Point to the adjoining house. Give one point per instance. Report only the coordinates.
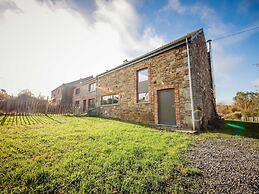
(84, 95)
(64, 93)
(171, 86)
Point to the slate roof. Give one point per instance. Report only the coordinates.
(76, 81)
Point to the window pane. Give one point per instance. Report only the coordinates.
(143, 87)
(142, 97)
(78, 91)
(143, 94)
(106, 100)
(111, 99)
(92, 87)
(143, 75)
(115, 99)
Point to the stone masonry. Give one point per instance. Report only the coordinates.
(167, 70)
(182, 67)
(202, 83)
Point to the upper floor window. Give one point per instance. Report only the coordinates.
(110, 99)
(142, 88)
(77, 91)
(92, 87)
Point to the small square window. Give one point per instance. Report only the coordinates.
(92, 87)
(77, 91)
(110, 99)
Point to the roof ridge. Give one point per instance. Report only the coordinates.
(78, 80)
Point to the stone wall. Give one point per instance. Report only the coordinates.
(166, 70)
(202, 85)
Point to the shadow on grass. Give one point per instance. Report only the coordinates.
(49, 117)
(245, 129)
(112, 119)
(2, 121)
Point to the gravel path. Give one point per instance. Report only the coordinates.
(228, 165)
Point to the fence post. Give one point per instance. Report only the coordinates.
(47, 106)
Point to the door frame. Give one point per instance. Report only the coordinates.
(84, 105)
(172, 91)
(177, 103)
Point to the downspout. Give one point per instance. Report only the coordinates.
(212, 70)
(96, 95)
(190, 83)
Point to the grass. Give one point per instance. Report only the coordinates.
(91, 155)
(64, 154)
(246, 129)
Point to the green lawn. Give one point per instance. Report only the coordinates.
(92, 155)
(65, 154)
(246, 129)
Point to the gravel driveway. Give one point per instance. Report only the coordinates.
(228, 165)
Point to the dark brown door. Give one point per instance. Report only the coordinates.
(84, 105)
(166, 107)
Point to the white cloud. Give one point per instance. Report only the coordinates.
(255, 83)
(176, 6)
(6, 5)
(50, 43)
(224, 61)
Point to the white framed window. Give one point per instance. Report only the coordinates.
(92, 87)
(110, 99)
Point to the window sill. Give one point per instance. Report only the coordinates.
(105, 105)
(143, 102)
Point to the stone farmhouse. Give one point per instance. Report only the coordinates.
(171, 86)
(84, 95)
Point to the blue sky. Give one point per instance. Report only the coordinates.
(65, 39)
(237, 71)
